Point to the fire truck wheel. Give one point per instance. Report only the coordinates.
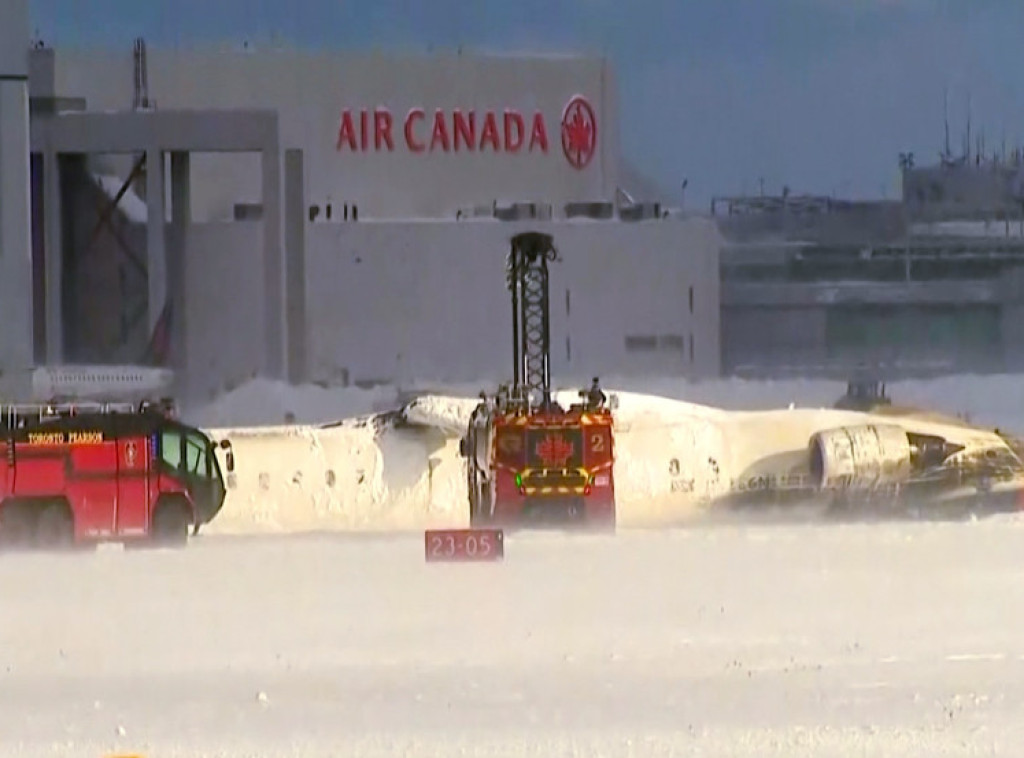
(171, 522)
(55, 527)
(17, 522)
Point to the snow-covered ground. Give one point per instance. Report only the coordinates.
(883, 640)
(717, 639)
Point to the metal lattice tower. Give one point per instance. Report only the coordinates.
(527, 277)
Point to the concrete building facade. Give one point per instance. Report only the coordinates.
(418, 300)
(396, 136)
(344, 218)
(15, 239)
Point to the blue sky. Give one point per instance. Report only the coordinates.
(821, 95)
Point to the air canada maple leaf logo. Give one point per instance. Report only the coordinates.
(579, 132)
(554, 450)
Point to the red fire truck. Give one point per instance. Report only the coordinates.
(86, 473)
(549, 466)
(529, 460)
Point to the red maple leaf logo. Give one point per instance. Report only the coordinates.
(579, 132)
(554, 450)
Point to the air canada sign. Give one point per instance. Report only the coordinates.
(453, 131)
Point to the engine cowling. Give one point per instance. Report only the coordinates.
(860, 457)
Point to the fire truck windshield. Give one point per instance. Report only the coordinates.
(188, 452)
(197, 460)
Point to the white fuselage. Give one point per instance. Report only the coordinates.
(674, 460)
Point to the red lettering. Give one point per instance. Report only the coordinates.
(440, 133)
(465, 130)
(513, 119)
(382, 129)
(416, 147)
(346, 132)
(459, 133)
(539, 134)
(490, 132)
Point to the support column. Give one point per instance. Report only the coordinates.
(275, 358)
(295, 264)
(177, 266)
(156, 254)
(53, 251)
(16, 356)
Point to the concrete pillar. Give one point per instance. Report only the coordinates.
(53, 256)
(295, 264)
(275, 357)
(15, 220)
(156, 256)
(177, 267)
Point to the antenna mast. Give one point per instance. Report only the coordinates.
(945, 119)
(140, 95)
(968, 151)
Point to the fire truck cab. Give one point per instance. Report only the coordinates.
(87, 473)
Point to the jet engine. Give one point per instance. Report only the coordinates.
(874, 455)
(860, 457)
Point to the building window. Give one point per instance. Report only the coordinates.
(691, 299)
(691, 347)
(637, 344)
(656, 343)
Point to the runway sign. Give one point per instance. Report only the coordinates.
(463, 545)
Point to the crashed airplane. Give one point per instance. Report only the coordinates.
(674, 461)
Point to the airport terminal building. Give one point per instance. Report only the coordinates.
(344, 217)
(930, 284)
